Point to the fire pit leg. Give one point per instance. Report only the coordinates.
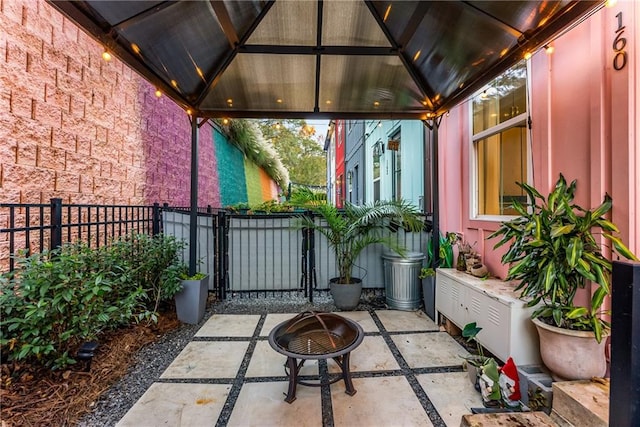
(343, 362)
(293, 379)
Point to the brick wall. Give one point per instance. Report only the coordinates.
(88, 131)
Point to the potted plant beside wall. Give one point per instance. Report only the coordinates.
(191, 301)
(553, 252)
(352, 230)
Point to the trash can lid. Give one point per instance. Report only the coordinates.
(411, 256)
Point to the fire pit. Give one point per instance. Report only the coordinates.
(316, 335)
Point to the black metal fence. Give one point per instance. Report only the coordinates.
(36, 227)
(245, 255)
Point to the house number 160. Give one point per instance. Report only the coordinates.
(619, 43)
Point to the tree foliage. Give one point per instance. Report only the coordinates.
(297, 145)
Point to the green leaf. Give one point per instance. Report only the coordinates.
(597, 299)
(597, 328)
(574, 251)
(607, 225)
(603, 208)
(561, 230)
(470, 330)
(549, 276)
(621, 248)
(576, 313)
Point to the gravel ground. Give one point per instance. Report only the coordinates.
(153, 359)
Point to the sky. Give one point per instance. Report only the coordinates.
(321, 127)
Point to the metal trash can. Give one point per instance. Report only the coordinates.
(401, 282)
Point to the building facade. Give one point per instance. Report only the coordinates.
(572, 109)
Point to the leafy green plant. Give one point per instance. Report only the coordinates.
(445, 253)
(553, 251)
(154, 265)
(350, 231)
(56, 299)
(470, 332)
(426, 272)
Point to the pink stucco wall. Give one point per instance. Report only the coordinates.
(584, 125)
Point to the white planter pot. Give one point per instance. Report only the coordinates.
(191, 301)
(571, 355)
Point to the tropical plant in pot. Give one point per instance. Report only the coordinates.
(553, 252)
(353, 229)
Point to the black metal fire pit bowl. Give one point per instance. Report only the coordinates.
(316, 335)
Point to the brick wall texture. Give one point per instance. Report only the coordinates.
(89, 131)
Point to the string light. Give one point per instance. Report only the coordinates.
(549, 49)
(106, 55)
(225, 121)
(158, 93)
(527, 55)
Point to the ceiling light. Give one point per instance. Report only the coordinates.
(225, 121)
(527, 55)
(174, 83)
(416, 56)
(199, 71)
(189, 111)
(424, 103)
(328, 102)
(611, 3)
(376, 103)
(379, 124)
(158, 93)
(504, 51)
(279, 101)
(437, 97)
(106, 55)
(229, 101)
(135, 48)
(549, 49)
(484, 95)
(386, 13)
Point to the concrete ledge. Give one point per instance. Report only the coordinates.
(508, 419)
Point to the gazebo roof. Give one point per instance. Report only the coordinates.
(322, 59)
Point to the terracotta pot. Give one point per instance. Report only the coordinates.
(571, 355)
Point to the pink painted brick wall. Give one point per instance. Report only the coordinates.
(88, 131)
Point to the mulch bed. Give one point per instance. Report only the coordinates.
(33, 396)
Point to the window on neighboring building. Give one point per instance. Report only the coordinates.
(396, 165)
(501, 156)
(377, 153)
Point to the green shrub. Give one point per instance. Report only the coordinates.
(154, 265)
(57, 299)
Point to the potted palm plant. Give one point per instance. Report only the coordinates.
(351, 230)
(553, 252)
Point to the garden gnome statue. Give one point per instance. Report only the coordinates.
(489, 383)
(510, 385)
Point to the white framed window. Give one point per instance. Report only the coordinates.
(500, 146)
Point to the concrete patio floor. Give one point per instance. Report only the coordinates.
(406, 372)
